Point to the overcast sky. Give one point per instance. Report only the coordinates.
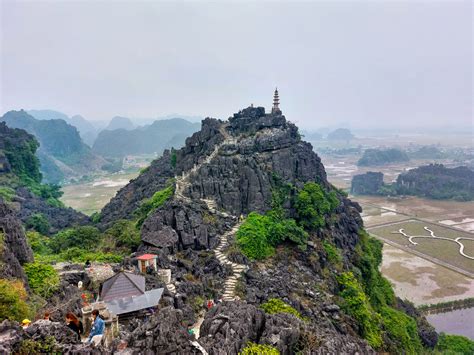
(360, 63)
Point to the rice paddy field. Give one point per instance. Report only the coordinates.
(445, 250)
(91, 196)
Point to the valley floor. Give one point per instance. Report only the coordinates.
(90, 197)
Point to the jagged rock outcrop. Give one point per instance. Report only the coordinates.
(229, 326)
(247, 154)
(162, 334)
(14, 339)
(225, 171)
(14, 251)
(28, 204)
(369, 183)
(179, 225)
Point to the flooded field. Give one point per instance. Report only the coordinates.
(90, 197)
(459, 321)
(422, 281)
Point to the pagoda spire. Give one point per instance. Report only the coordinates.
(276, 102)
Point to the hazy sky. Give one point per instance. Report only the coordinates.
(366, 63)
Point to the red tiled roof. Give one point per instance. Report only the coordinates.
(147, 257)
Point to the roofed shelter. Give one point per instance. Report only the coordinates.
(123, 284)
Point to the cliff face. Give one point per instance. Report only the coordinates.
(14, 250)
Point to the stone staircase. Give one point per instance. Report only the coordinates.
(183, 182)
(237, 269)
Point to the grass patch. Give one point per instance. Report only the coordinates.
(275, 305)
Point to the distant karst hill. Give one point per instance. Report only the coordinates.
(342, 134)
(119, 122)
(154, 138)
(374, 157)
(21, 184)
(62, 153)
(432, 181)
(86, 129)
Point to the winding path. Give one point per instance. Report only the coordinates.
(182, 182)
(433, 236)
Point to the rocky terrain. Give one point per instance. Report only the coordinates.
(227, 170)
(14, 250)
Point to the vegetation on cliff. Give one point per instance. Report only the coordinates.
(13, 300)
(21, 167)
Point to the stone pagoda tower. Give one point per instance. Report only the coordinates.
(276, 102)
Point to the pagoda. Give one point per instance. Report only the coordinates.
(276, 102)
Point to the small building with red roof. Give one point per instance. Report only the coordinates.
(146, 260)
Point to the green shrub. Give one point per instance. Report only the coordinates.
(42, 278)
(401, 329)
(252, 237)
(174, 158)
(95, 217)
(84, 237)
(259, 349)
(369, 257)
(47, 346)
(38, 242)
(7, 193)
(156, 201)
(13, 298)
(39, 223)
(275, 305)
(454, 345)
(258, 236)
(125, 234)
(312, 204)
(358, 306)
(76, 254)
(333, 254)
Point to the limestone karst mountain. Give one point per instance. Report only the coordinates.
(85, 128)
(21, 183)
(198, 198)
(62, 152)
(149, 139)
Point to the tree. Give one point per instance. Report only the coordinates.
(313, 203)
(13, 297)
